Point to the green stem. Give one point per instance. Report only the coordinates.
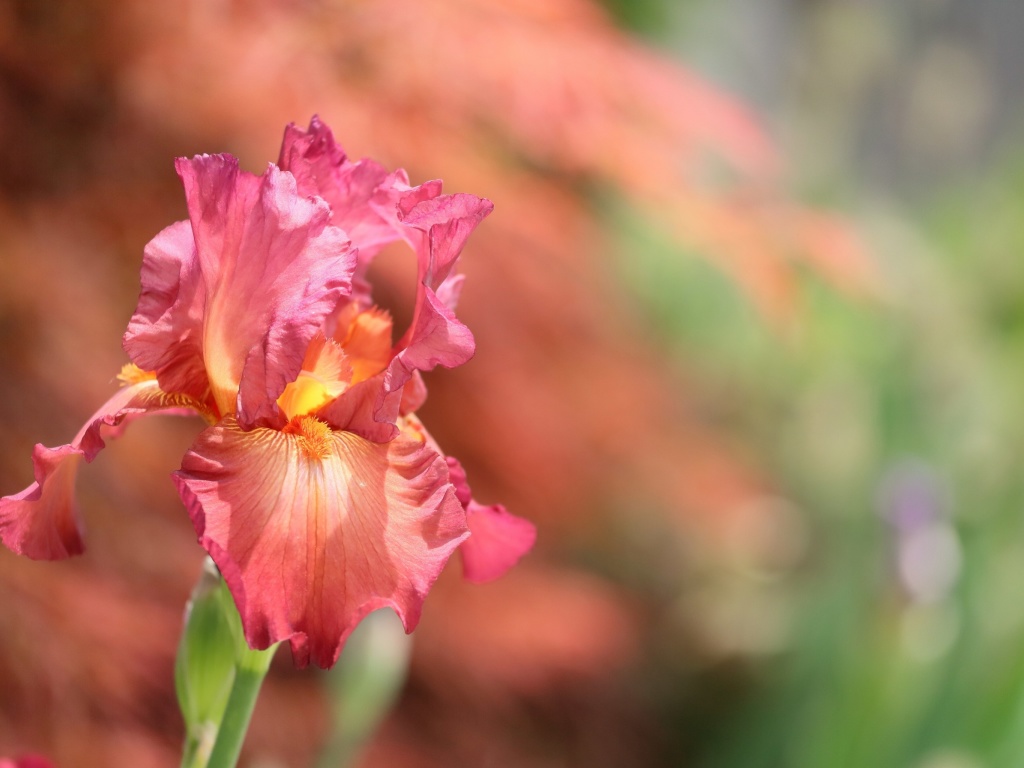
(217, 675)
(238, 712)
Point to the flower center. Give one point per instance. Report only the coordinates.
(312, 436)
(366, 339)
(360, 348)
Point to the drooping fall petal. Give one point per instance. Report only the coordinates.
(498, 539)
(313, 528)
(42, 521)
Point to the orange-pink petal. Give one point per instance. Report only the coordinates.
(363, 196)
(231, 299)
(42, 522)
(437, 226)
(313, 528)
(165, 334)
(498, 539)
(326, 373)
(273, 268)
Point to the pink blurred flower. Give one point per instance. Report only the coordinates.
(315, 489)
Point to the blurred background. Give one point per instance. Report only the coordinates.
(750, 355)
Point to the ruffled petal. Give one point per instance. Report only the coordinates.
(272, 270)
(414, 394)
(439, 227)
(497, 542)
(367, 410)
(376, 208)
(165, 334)
(313, 528)
(363, 196)
(445, 223)
(498, 539)
(42, 522)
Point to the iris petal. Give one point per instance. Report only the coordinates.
(314, 528)
(498, 539)
(375, 208)
(231, 299)
(42, 522)
(165, 333)
(273, 269)
(362, 194)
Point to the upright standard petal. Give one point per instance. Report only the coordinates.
(376, 208)
(165, 335)
(272, 269)
(42, 522)
(363, 196)
(313, 528)
(437, 227)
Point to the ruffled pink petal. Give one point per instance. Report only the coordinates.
(457, 476)
(314, 529)
(363, 196)
(165, 335)
(498, 539)
(450, 289)
(376, 208)
(272, 269)
(371, 411)
(446, 222)
(436, 337)
(366, 410)
(42, 522)
(414, 394)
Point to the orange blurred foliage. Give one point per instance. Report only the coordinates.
(568, 414)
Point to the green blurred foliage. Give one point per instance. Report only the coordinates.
(647, 17)
(903, 639)
(922, 383)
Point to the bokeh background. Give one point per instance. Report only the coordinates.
(751, 355)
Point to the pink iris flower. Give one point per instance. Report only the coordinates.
(315, 489)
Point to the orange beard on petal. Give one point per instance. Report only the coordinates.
(313, 436)
(131, 374)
